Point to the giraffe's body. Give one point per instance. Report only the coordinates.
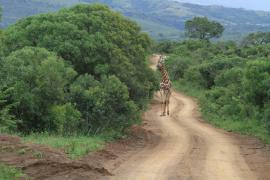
(164, 87)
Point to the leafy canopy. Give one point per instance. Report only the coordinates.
(94, 39)
(202, 28)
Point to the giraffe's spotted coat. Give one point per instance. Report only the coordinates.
(164, 86)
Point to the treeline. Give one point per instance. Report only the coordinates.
(81, 70)
(231, 80)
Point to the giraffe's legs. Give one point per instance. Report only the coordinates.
(164, 108)
(161, 97)
(165, 102)
(163, 105)
(168, 102)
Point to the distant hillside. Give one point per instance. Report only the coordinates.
(163, 19)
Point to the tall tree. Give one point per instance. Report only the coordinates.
(202, 28)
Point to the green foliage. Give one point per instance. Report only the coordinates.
(82, 35)
(75, 146)
(79, 71)
(165, 46)
(7, 120)
(231, 82)
(257, 82)
(103, 104)
(202, 28)
(66, 119)
(38, 79)
(266, 116)
(177, 66)
(7, 172)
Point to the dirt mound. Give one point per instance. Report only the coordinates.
(41, 162)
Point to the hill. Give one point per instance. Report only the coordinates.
(163, 19)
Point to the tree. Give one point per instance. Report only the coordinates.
(202, 28)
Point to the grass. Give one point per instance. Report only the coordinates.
(75, 147)
(246, 127)
(7, 172)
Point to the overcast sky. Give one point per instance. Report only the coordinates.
(247, 4)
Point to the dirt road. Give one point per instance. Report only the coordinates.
(178, 147)
(188, 148)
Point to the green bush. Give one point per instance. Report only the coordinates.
(39, 80)
(103, 104)
(65, 119)
(257, 82)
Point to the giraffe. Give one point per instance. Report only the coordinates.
(164, 86)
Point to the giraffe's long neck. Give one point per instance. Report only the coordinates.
(165, 76)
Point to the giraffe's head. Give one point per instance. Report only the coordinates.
(161, 61)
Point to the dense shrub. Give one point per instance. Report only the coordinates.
(103, 104)
(81, 70)
(39, 80)
(257, 82)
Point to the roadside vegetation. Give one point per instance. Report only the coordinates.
(74, 79)
(231, 81)
(74, 146)
(7, 172)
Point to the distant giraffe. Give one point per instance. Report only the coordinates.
(164, 87)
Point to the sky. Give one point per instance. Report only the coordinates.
(263, 5)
